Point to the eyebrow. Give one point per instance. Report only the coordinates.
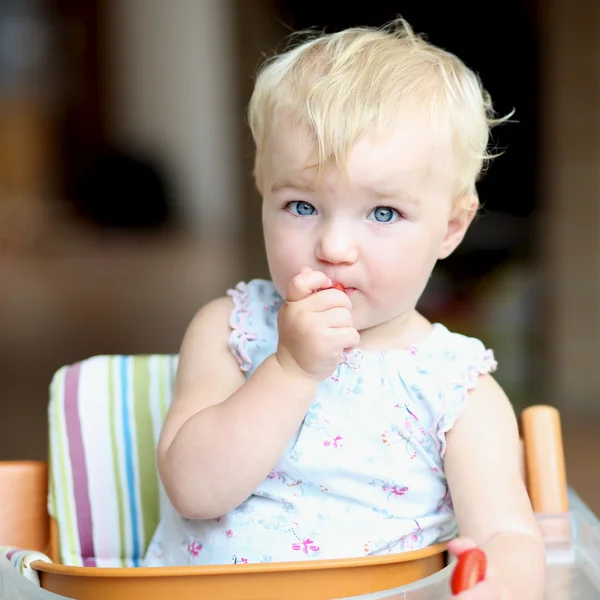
(373, 192)
(278, 186)
(390, 194)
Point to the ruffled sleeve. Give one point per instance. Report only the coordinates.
(253, 323)
(239, 322)
(462, 366)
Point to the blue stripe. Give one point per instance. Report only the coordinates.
(129, 458)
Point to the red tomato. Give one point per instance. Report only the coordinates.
(339, 286)
(470, 569)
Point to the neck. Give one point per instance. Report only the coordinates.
(401, 332)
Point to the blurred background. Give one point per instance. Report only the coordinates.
(126, 197)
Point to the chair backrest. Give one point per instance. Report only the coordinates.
(105, 416)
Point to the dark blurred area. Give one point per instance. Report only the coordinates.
(126, 197)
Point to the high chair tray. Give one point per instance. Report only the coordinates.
(573, 566)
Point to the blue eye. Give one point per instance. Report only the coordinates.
(384, 214)
(301, 209)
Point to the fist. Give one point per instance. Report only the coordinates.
(314, 328)
(471, 578)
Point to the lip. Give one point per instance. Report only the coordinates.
(348, 290)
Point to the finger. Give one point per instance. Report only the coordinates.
(328, 299)
(305, 283)
(337, 317)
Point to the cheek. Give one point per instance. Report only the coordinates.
(285, 254)
(402, 266)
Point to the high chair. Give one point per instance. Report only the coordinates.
(87, 516)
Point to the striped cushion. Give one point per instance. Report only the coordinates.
(105, 416)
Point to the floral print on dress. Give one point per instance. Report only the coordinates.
(305, 544)
(413, 540)
(331, 440)
(390, 487)
(363, 474)
(192, 547)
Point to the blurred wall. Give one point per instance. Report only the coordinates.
(258, 31)
(173, 87)
(570, 217)
(82, 290)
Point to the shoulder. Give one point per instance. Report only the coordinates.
(489, 406)
(211, 318)
(487, 418)
(207, 335)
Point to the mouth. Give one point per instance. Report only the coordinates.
(341, 288)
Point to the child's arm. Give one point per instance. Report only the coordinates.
(489, 496)
(223, 434)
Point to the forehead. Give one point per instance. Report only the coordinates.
(408, 153)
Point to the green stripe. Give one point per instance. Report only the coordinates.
(61, 441)
(146, 463)
(115, 455)
(51, 461)
(172, 373)
(173, 370)
(162, 366)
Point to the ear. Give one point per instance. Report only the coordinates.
(461, 217)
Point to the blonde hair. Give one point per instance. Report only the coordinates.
(339, 86)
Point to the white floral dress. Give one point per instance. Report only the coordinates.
(364, 473)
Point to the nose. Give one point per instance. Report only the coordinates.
(337, 244)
